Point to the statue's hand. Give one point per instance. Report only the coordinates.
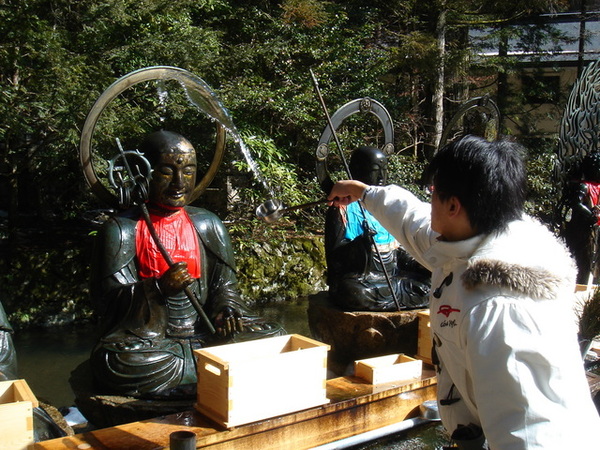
(175, 279)
(596, 213)
(228, 322)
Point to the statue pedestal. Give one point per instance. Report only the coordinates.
(355, 335)
(104, 411)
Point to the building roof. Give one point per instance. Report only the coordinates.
(560, 44)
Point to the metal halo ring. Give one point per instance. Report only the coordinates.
(115, 89)
(484, 104)
(360, 105)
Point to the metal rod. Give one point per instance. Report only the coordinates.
(373, 434)
(333, 133)
(362, 209)
(304, 205)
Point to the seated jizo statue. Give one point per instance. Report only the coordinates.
(8, 358)
(150, 326)
(582, 196)
(356, 270)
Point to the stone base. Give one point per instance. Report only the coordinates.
(110, 410)
(355, 335)
(49, 423)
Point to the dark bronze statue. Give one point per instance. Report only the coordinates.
(8, 357)
(355, 270)
(577, 172)
(580, 230)
(149, 308)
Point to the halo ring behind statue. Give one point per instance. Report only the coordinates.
(483, 105)
(198, 93)
(360, 105)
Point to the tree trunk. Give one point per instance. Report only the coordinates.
(581, 52)
(438, 94)
(502, 78)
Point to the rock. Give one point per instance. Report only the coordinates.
(355, 335)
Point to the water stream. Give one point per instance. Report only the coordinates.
(201, 96)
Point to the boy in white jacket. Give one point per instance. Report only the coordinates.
(502, 320)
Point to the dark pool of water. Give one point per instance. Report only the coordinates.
(46, 358)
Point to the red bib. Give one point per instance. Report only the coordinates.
(177, 235)
(594, 193)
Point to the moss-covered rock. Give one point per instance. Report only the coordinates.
(281, 268)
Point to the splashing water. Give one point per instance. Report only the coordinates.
(163, 96)
(206, 101)
(253, 165)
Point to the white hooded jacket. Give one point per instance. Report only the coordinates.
(504, 328)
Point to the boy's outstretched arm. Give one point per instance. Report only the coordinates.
(345, 192)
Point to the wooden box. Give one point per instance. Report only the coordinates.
(424, 337)
(16, 415)
(255, 380)
(388, 368)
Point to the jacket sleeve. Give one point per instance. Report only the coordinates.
(406, 217)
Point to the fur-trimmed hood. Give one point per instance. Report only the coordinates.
(526, 258)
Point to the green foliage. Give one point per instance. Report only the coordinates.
(281, 178)
(293, 267)
(42, 285)
(407, 171)
(58, 56)
(309, 13)
(541, 198)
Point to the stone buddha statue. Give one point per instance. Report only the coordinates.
(355, 270)
(150, 325)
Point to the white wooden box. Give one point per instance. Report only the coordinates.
(388, 368)
(255, 380)
(424, 341)
(16, 415)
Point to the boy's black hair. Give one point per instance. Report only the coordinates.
(488, 178)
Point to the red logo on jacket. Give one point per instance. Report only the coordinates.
(447, 310)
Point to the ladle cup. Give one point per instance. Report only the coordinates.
(273, 210)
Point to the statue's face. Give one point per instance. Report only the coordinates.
(173, 179)
(369, 165)
(372, 172)
(375, 174)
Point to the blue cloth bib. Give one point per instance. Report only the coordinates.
(354, 226)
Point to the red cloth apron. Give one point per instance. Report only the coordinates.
(594, 193)
(177, 234)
